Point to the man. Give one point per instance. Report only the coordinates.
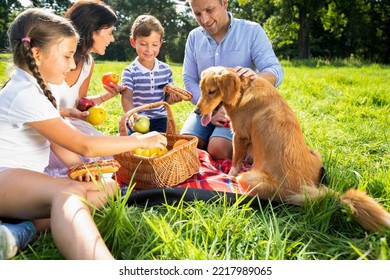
(222, 40)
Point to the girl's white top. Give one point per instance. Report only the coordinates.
(22, 101)
(65, 95)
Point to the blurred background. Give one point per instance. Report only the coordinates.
(298, 29)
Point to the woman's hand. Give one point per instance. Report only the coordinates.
(73, 113)
(114, 89)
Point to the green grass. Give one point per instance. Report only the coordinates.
(343, 107)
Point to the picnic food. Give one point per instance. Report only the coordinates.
(179, 142)
(109, 78)
(101, 166)
(153, 152)
(142, 124)
(164, 171)
(163, 151)
(84, 103)
(182, 93)
(96, 116)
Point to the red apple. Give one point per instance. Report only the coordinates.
(83, 104)
(109, 78)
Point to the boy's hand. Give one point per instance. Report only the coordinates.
(172, 98)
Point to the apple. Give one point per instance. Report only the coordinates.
(109, 78)
(138, 151)
(142, 124)
(179, 143)
(83, 104)
(153, 152)
(97, 115)
(163, 151)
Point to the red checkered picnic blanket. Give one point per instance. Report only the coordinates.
(212, 175)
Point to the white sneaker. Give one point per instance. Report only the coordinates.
(8, 247)
(14, 237)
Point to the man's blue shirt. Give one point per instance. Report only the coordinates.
(245, 44)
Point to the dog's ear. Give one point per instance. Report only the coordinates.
(229, 84)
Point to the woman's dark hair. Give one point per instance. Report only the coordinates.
(89, 17)
(37, 28)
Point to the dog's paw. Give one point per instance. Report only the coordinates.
(233, 172)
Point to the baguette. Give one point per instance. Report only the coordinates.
(100, 166)
(182, 93)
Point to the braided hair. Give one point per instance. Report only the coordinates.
(37, 28)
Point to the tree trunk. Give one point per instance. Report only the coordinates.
(304, 34)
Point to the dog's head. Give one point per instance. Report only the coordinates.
(217, 84)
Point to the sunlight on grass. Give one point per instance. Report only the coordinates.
(343, 107)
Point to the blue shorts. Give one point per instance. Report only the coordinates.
(193, 126)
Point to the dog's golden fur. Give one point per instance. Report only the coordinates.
(284, 168)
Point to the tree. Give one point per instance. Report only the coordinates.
(8, 11)
(175, 25)
(57, 6)
(296, 28)
(329, 28)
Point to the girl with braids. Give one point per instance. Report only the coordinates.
(43, 46)
(96, 34)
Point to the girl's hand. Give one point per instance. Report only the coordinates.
(89, 177)
(151, 139)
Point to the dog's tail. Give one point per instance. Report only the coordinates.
(366, 210)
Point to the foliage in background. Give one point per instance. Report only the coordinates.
(326, 29)
(176, 28)
(8, 9)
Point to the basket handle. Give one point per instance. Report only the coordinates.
(171, 125)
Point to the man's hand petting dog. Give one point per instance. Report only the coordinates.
(245, 72)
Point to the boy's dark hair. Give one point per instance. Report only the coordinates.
(144, 25)
(89, 16)
(37, 28)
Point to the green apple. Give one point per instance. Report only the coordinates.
(142, 124)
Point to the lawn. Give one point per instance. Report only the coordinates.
(343, 107)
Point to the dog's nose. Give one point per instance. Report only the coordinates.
(197, 111)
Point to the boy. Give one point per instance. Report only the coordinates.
(146, 76)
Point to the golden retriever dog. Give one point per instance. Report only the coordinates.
(284, 168)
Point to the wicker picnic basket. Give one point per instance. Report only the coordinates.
(165, 171)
